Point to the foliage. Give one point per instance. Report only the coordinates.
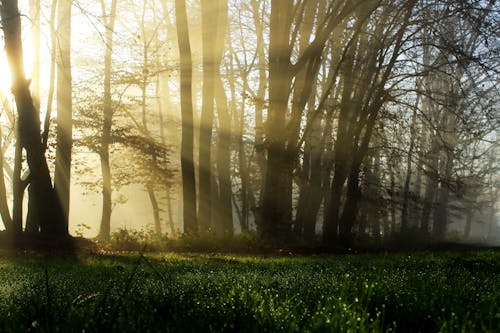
(124, 239)
(171, 293)
(147, 239)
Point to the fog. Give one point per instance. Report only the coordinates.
(331, 122)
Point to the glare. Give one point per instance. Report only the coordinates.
(5, 73)
(5, 77)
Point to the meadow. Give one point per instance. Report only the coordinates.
(418, 292)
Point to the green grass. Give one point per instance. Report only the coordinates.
(164, 292)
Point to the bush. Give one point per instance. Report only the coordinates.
(125, 239)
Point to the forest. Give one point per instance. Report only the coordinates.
(332, 123)
(250, 166)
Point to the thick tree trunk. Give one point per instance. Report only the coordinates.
(276, 203)
(187, 163)
(62, 175)
(209, 24)
(35, 38)
(29, 125)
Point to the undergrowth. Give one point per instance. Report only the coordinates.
(136, 240)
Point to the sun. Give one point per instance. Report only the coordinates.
(5, 77)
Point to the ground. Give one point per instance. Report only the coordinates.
(103, 292)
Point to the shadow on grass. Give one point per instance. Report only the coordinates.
(37, 242)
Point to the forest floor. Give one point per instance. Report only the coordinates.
(134, 292)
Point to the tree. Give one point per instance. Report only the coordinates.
(368, 67)
(209, 21)
(223, 203)
(187, 163)
(42, 198)
(105, 227)
(280, 134)
(62, 175)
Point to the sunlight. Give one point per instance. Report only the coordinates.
(6, 80)
(5, 73)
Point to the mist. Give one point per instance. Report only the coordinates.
(332, 123)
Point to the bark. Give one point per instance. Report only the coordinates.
(52, 75)
(145, 127)
(468, 222)
(350, 209)
(341, 158)
(430, 192)
(261, 89)
(62, 175)
(18, 187)
(223, 203)
(318, 144)
(312, 193)
(374, 217)
(276, 206)
(155, 207)
(223, 156)
(35, 38)
(246, 187)
(209, 24)
(170, 219)
(187, 163)
(4, 207)
(105, 226)
(358, 114)
(406, 188)
(43, 198)
(441, 212)
(392, 178)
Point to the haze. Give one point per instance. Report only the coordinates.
(336, 122)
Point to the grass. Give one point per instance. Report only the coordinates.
(445, 292)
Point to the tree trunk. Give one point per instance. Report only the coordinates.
(430, 187)
(441, 212)
(261, 90)
(35, 38)
(105, 226)
(350, 209)
(4, 207)
(29, 125)
(18, 187)
(209, 22)
(406, 188)
(223, 152)
(223, 157)
(62, 175)
(156, 209)
(187, 163)
(276, 205)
